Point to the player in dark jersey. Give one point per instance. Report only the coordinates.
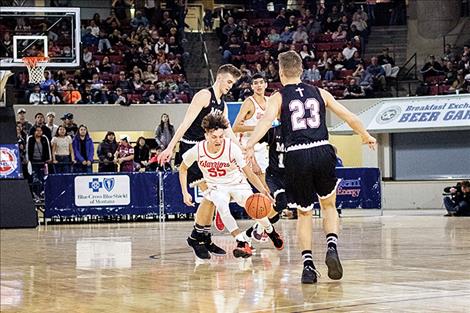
(189, 133)
(310, 159)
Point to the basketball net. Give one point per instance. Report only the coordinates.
(36, 67)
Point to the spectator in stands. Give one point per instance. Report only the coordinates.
(167, 22)
(448, 54)
(339, 34)
(106, 151)
(273, 36)
(457, 203)
(137, 85)
(151, 95)
(119, 97)
(69, 125)
(229, 28)
(450, 72)
(377, 73)
(37, 96)
(95, 29)
(83, 150)
(6, 45)
(349, 50)
(88, 40)
(21, 118)
(300, 35)
(72, 95)
(232, 48)
(466, 85)
(208, 20)
(21, 141)
(257, 37)
(48, 80)
(105, 66)
(286, 35)
(311, 74)
(124, 155)
(388, 64)
(40, 123)
(149, 74)
(323, 61)
(355, 36)
(329, 71)
(139, 20)
(464, 64)
(281, 20)
(123, 83)
(62, 151)
(313, 26)
(141, 154)
(97, 91)
(329, 26)
(164, 132)
(38, 152)
(344, 23)
(431, 68)
(161, 45)
(359, 22)
(458, 84)
(307, 54)
(104, 45)
(174, 47)
(466, 51)
(52, 96)
(176, 67)
(50, 116)
(272, 74)
(354, 91)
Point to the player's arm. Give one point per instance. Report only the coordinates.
(188, 159)
(200, 100)
(255, 181)
(273, 107)
(350, 118)
(246, 111)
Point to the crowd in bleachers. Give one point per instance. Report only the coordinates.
(50, 148)
(447, 74)
(330, 39)
(124, 60)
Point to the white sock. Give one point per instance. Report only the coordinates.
(242, 237)
(266, 224)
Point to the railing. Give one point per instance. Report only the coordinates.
(403, 76)
(205, 51)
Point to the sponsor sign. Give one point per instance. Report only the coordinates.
(423, 113)
(102, 190)
(10, 163)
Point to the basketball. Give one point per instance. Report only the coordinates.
(258, 206)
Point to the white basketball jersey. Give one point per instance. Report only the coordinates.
(253, 120)
(224, 167)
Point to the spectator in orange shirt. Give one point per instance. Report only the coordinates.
(72, 95)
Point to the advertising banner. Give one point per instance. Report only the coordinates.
(10, 163)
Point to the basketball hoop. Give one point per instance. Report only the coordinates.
(36, 67)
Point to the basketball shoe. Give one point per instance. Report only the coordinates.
(276, 239)
(309, 275)
(212, 247)
(199, 248)
(259, 234)
(335, 270)
(242, 250)
(219, 225)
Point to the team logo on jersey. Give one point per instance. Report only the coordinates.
(388, 115)
(8, 161)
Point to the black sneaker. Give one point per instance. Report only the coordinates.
(212, 247)
(199, 248)
(309, 275)
(335, 270)
(243, 250)
(276, 239)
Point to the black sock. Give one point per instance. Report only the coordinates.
(332, 240)
(307, 258)
(249, 231)
(198, 232)
(274, 219)
(207, 230)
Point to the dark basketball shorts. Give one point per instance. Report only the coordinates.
(310, 171)
(194, 173)
(276, 184)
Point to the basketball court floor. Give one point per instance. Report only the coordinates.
(401, 262)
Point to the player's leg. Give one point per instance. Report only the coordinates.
(326, 184)
(300, 190)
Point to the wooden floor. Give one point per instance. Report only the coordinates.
(395, 263)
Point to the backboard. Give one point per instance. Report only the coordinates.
(40, 31)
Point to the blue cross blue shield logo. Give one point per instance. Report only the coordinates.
(95, 185)
(108, 184)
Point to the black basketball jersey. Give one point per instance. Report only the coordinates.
(195, 132)
(303, 115)
(276, 151)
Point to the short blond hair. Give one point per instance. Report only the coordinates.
(290, 63)
(231, 69)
